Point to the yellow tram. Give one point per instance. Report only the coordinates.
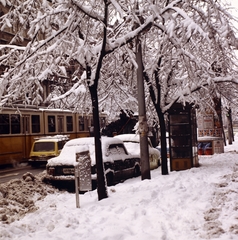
(20, 126)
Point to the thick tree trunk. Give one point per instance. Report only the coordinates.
(101, 181)
(143, 128)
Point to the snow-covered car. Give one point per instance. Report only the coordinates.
(132, 144)
(118, 164)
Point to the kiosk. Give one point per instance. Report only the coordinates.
(210, 140)
(182, 137)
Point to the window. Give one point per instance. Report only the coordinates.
(116, 149)
(4, 124)
(69, 122)
(112, 150)
(15, 123)
(25, 124)
(81, 124)
(121, 149)
(44, 147)
(35, 123)
(61, 144)
(51, 123)
(60, 120)
(102, 122)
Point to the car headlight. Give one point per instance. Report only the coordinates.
(51, 171)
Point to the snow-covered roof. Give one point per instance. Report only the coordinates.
(54, 110)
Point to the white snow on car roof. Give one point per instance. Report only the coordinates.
(55, 138)
(48, 140)
(68, 153)
(90, 140)
(128, 137)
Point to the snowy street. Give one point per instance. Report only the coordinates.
(199, 203)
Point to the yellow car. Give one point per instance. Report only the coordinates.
(45, 148)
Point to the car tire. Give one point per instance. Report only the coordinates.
(34, 164)
(110, 179)
(137, 171)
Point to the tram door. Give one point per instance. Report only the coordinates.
(26, 141)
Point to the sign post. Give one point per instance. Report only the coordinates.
(76, 173)
(82, 170)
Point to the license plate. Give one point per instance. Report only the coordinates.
(68, 171)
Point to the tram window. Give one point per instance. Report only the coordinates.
(91, 121)
(15, 123)
(4, 124)
(51, 123)
(25, 124)
(69, 122)
(81, 124)
(60, 124)
(35, 123)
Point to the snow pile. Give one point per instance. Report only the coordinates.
(18, 197)
(199, 203)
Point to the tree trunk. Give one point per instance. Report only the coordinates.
(232, 132)
(164, 167)
(143, 128)
(163, 143)
(229, 127)
(217, 103)
(101, 182)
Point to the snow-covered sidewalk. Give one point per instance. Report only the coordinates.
(199, 203)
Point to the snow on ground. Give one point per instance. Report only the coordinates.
(199, 203)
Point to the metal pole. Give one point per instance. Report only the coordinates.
(143, 127)
(76, 176)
